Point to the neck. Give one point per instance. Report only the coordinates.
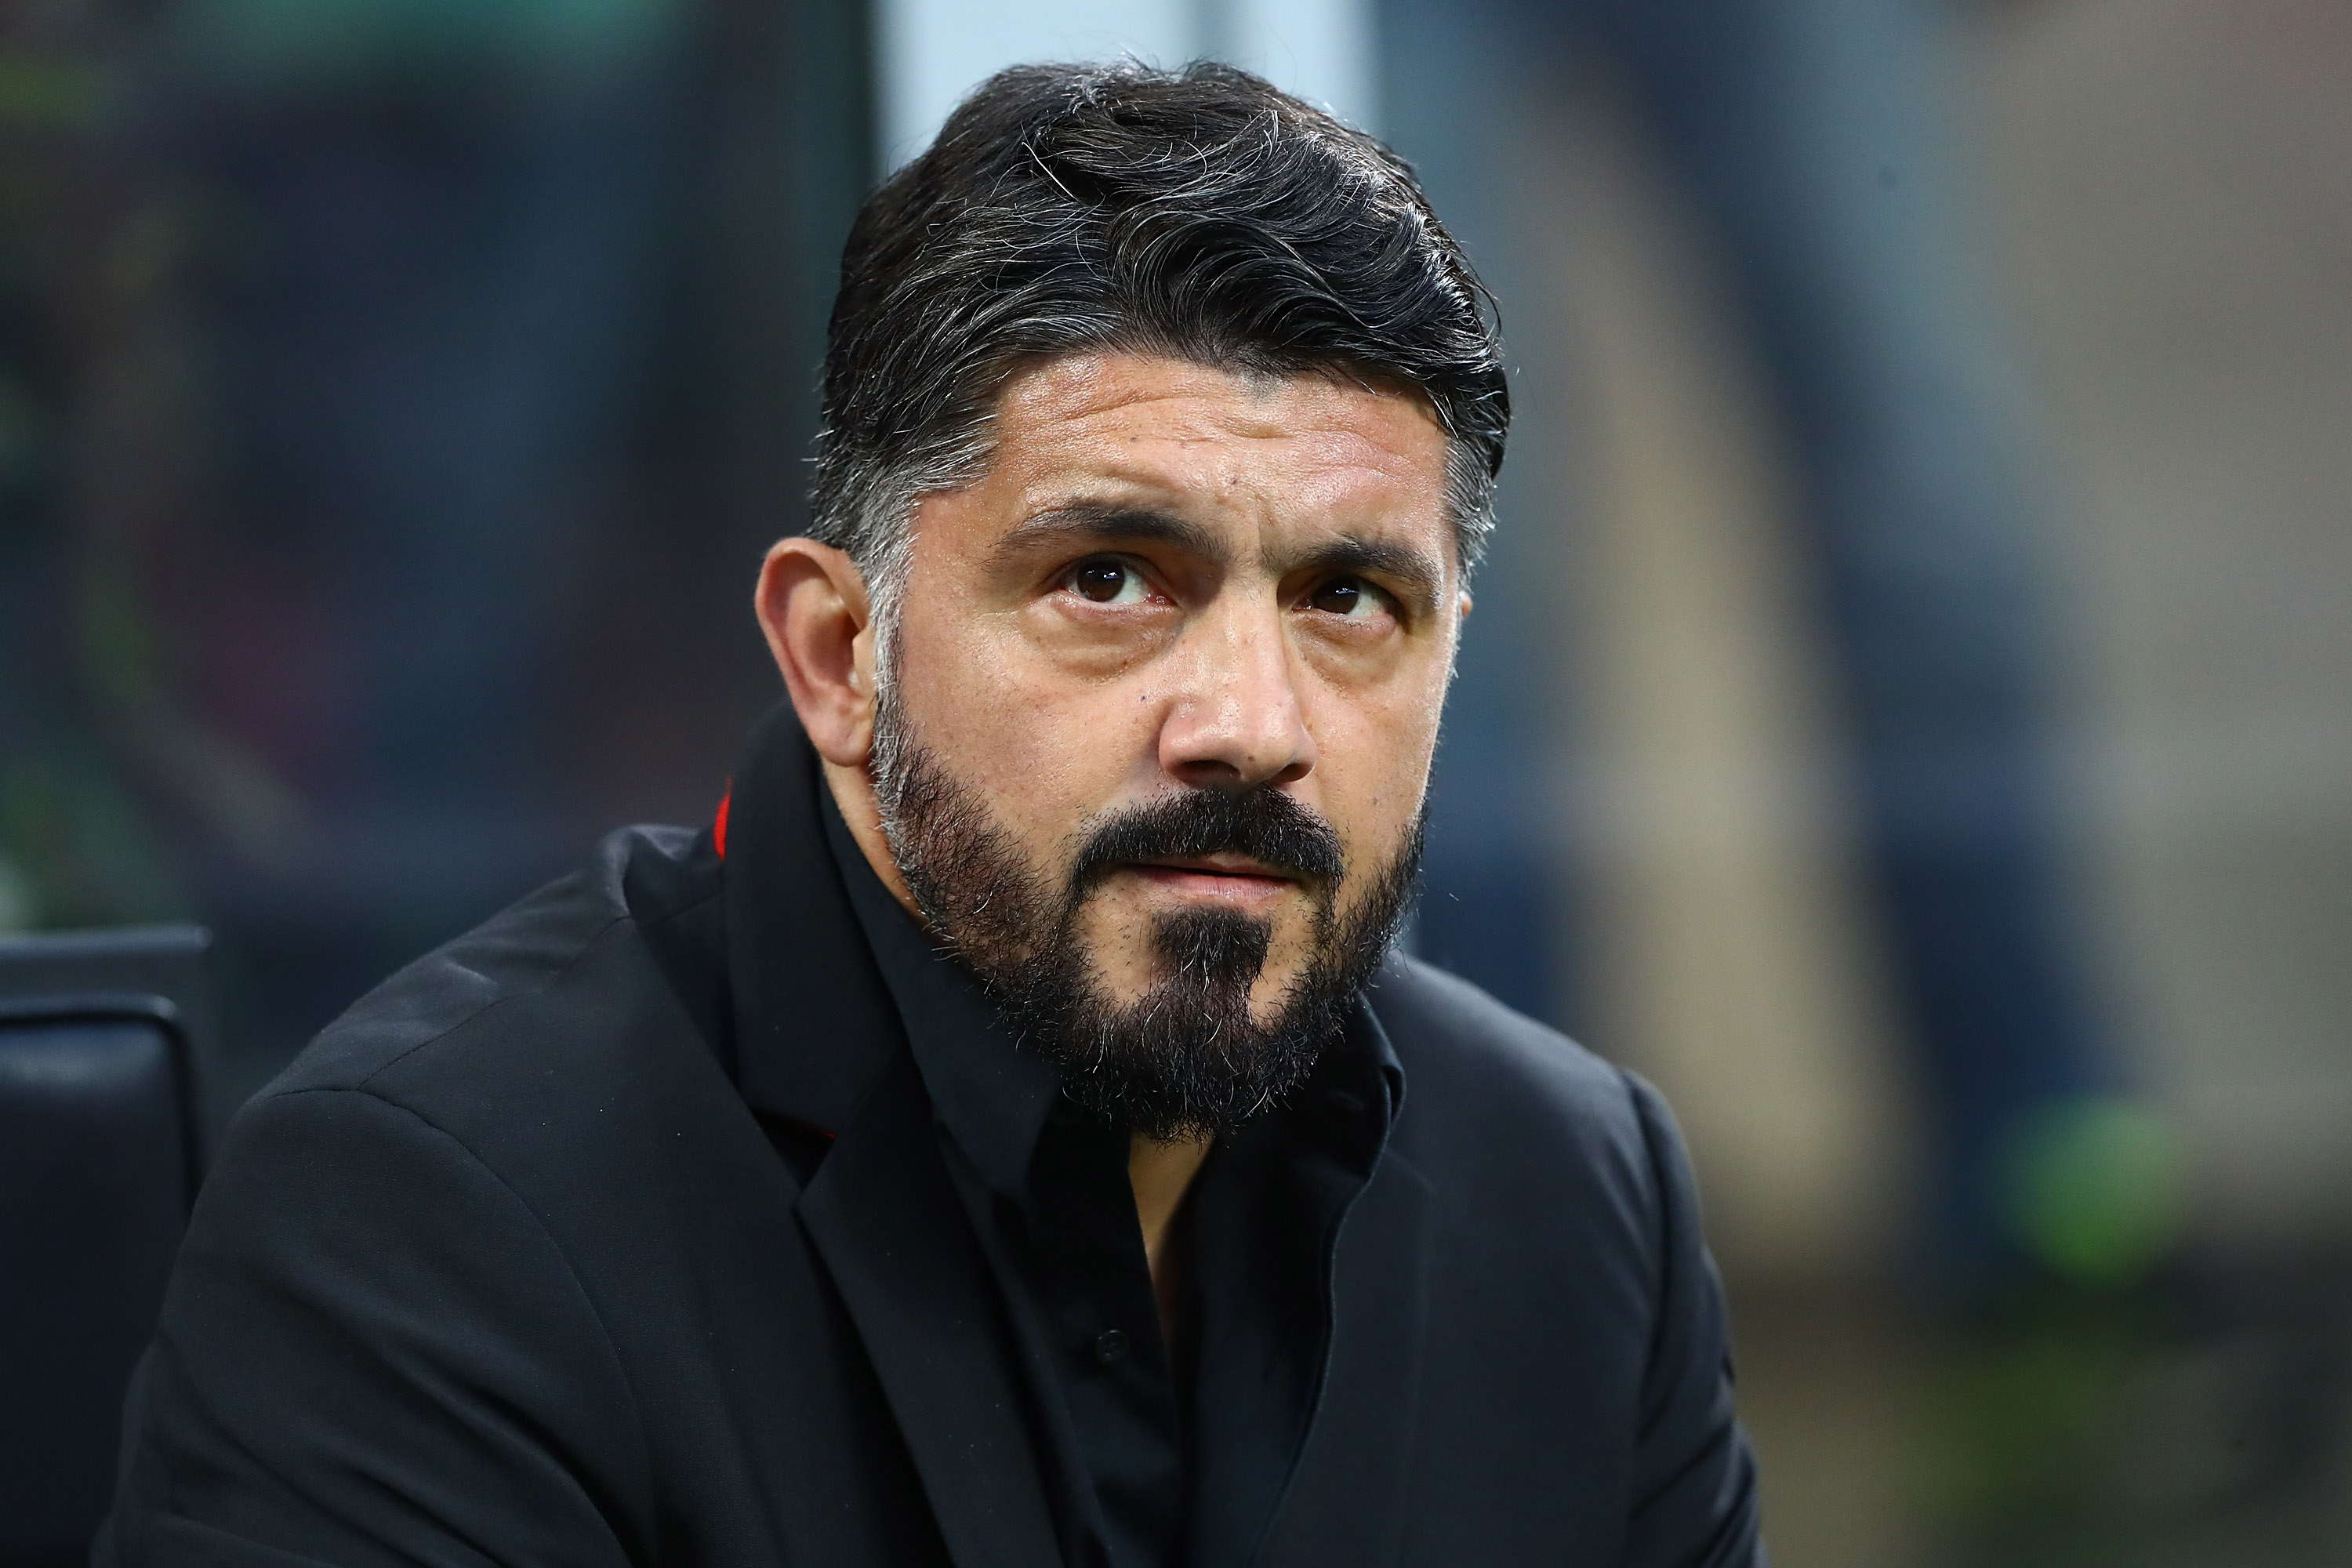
(1162, 1174)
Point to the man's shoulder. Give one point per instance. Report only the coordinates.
(1448, 1031)
(511, 989)
(1485, 1083)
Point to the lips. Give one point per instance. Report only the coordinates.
(1233, 867)
(1213, 882)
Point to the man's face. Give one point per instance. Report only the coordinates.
(1182, 607)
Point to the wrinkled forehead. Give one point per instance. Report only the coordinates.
(1130, 397)
(1262, 458)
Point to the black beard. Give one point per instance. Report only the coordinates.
(1186, 1060)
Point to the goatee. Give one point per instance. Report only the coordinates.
(1188, 1058)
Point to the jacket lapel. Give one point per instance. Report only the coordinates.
(818, 1043)
(1345, 1498)
(885, 1217)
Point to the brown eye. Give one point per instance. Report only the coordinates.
(1106, 582)
(1345, 597)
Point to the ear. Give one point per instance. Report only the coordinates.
(811, 604)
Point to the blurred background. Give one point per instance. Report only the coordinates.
(1906, 715)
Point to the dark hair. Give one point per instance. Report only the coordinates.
(1202, 214)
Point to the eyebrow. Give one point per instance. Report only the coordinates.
(1418, 576)
(1088, 522)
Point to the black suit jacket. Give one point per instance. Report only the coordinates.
(618, 1232)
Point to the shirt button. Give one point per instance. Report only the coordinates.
(1110, 1347)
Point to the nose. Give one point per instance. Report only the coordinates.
(1235, 720)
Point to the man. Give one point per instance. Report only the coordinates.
(1004, 1137)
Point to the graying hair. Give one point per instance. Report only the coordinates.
(1200, 214)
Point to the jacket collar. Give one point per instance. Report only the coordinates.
(818, 1041)
(814, 1025)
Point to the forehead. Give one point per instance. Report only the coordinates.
(1292, 447)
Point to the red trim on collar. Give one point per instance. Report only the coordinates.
(718, 824)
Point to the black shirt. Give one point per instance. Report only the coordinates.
(1157, 1455)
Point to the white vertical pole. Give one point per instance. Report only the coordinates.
(1320, 49)
(929, 53)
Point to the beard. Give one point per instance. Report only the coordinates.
(1188, 1058)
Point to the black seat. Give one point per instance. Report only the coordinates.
(99, 1163)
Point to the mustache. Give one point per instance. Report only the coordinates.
(1267, 825)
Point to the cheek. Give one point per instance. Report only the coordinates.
(1045, 751)
(1373, 759)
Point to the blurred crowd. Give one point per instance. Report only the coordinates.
(397, 395)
